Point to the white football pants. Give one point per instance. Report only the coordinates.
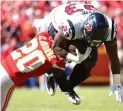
(7, 87)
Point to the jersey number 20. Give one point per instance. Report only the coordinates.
(28, 57)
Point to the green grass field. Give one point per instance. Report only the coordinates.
(92, 99)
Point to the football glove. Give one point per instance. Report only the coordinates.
(72, 57)
(117, 90)
(82, 57)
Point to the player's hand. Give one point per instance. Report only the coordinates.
(117, 90)
(79, 56)
(82, 57)
(72, 57)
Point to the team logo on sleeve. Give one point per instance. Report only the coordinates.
(66, 30)
(88, 27)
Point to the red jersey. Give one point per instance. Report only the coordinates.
(33, 59)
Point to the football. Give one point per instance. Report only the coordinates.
(79, 44)
(72, 49)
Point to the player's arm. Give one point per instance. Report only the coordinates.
(60, 50)
(115, 68)
(56, 46)
(113, 57)
(111, 48)
(112, 51)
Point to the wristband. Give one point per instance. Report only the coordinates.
(116, 78)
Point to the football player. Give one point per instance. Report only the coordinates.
(82, 21)
(31, 60)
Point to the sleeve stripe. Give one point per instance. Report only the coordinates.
(72, 28)
(112, 33)
(52, 30)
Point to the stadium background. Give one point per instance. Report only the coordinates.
(17, 29)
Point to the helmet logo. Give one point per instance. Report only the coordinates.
(89, 28)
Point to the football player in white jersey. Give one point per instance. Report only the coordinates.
(78, 21)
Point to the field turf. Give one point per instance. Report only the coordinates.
(92, 99)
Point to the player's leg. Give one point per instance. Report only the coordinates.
(7, 87)
(63, 84)
(79, 74)
(60, 78)
(82, 71)
(50, 83)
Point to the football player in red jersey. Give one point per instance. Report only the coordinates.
(33, 59)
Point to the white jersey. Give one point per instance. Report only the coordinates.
(7, 88)
(70, 18)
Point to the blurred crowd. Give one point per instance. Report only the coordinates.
(17, 18)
